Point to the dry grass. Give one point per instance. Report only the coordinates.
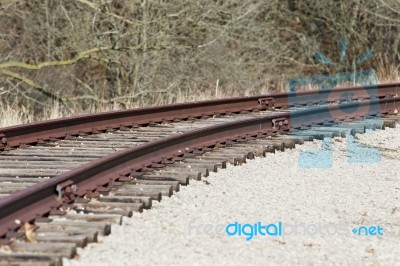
(11, 115)
(388, 73)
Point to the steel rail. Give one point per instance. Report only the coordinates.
(14, 136)
(38, 200)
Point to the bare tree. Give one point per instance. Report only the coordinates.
(115, 53)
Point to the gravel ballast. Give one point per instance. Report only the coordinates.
(324, 205)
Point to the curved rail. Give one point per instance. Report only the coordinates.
(40, 199)
(60, 128)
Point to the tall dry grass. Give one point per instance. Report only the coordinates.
(9, 115)
(388, 73)
(12, 115)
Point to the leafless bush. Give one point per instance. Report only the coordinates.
(90, 55)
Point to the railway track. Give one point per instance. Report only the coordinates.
(113, 164)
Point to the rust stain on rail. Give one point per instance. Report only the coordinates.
(60, 128)
(40, 199)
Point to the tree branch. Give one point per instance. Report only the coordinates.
(81, 56)
(96, 7)
(33, 85)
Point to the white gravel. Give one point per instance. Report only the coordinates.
(269, 190)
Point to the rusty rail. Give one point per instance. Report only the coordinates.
(60, 128)
(40, 199)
